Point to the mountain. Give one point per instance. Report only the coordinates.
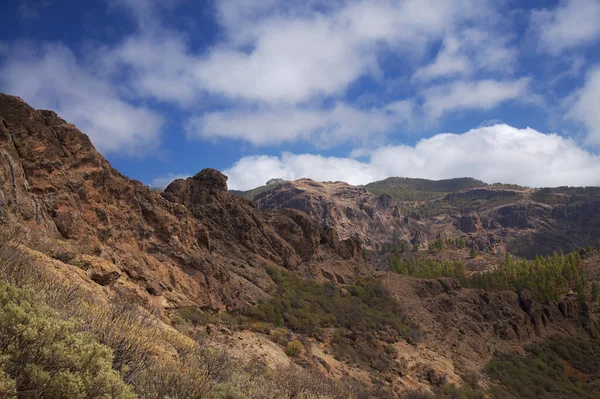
(499, 217)
(197, 292)
(57, 184)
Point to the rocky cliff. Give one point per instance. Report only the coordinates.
(196, 244)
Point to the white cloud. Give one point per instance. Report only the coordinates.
(585, 108)
(163, 181)
(484, 94)
(573, 23)
(295, 53)
(274, 63)
(498, 153)
(447, 63)
(470, 51)
(324, 128)
(275, 51)
(159, 66)
(51, 77)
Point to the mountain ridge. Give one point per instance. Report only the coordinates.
(495, 216)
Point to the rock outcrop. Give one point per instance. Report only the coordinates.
(195, 245)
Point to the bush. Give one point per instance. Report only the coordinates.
(185, 378)
(280, 336)
(47, 357)
(7, 386)
(294, 348)
(227, 391)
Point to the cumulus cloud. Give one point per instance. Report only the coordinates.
(275, 51)
(469, 51)
(158, 66)
(585, 106)
(322, 127)
(301, 52)
(498, 153)
(51, 77)
(573, 23)
(484, 94)
(275, 63)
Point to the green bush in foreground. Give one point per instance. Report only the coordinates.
(45, 356)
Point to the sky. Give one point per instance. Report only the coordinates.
(352, 90)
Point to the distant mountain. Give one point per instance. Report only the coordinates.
(408, 189)
(497, 217)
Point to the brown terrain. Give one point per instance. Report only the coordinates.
(196, 245)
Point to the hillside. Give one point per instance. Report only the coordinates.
(200, 293)
(401, 212)
(407, 189)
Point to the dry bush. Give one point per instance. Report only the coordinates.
(294, 348)
(256, 381)
(181, 378)
(16, 266)
(280, 336)
(132, 334)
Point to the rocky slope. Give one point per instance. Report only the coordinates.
(196, 245)
(523, 221)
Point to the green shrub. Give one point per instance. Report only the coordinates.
(7, 386)
(47, 357)
(294, 348)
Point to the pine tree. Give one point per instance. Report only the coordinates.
(594, 292)
(474, 252)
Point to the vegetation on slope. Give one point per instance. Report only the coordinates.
(565, 195)
(305, 306)
(407, 189)
(546, 277)
(251, 194)
(558, 368)
(57, 341)
(48, 357)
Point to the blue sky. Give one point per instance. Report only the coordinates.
(353, 90)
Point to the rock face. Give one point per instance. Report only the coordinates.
(523, 221)
(197, 244)
(353, 211)
(469, 325)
